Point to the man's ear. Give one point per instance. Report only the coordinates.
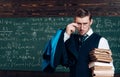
(91, 21)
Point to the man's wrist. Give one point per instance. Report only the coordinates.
(66, 36)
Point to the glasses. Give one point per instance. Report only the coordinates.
(83, 24)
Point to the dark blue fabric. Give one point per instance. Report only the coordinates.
(80, 69)
(62, 56)
(50, 49)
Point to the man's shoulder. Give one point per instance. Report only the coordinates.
(97, 35)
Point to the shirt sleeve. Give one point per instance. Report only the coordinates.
(103, 43)
(66, 36)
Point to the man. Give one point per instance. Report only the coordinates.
(74, 45)
(82, 24)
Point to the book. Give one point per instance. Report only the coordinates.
(92, 64)
(99, 68)
(102, 51)
(101, 60)
(100, 64)
(101, 55)
(103, 73)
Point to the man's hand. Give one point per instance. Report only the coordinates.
(71, 28)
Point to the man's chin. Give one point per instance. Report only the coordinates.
(82, 33)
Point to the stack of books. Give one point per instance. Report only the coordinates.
(100, 63)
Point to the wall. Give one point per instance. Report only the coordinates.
(21, 8)
(45, 8)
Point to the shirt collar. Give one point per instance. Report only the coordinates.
(90, 32)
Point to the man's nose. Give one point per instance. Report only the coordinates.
(82, 26)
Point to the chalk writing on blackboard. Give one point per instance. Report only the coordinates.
(22, 40)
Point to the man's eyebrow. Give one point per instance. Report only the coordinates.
(82, 23)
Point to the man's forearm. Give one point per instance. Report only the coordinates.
(66, 36)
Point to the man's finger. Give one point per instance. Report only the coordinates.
(75, 25)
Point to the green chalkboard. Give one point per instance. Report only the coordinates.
(22, 40)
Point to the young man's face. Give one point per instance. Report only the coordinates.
(84, 24)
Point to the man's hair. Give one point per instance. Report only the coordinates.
(82, 13)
